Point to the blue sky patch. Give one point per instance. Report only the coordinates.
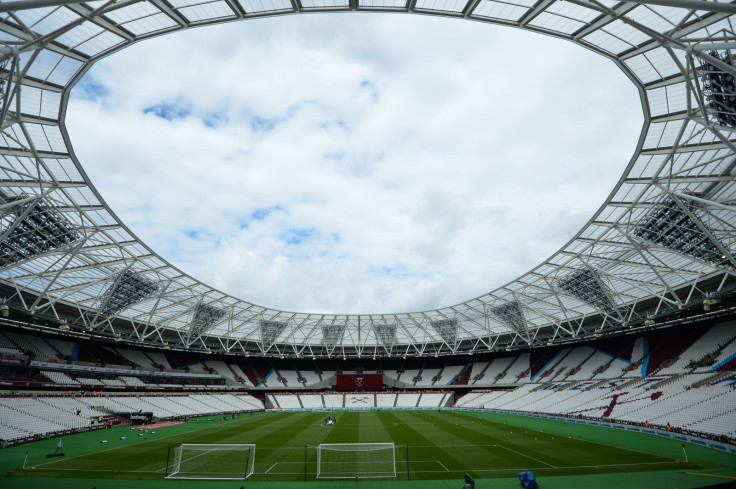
(398, 270)
(214, 120)
(89, 88)
(260, 124)
(169, 111)
(297, 236)
(338, 124)
(367, 85)
(199, 234)
(261, 214)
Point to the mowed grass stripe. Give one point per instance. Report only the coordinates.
(345, 431)
(427, 457)
(537, 447)
(544, 451)
(283, 452)
(583, 451)
(585, 455)
(479, 446)
(441, 446)
(488, 439)
(372, 430)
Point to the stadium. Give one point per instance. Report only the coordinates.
(612, 363)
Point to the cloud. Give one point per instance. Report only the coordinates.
(355, 163)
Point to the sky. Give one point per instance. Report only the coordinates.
(355, 163)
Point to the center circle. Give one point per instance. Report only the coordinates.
(354, 163)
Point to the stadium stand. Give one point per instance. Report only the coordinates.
(464, 376)
(496, 370)
(133, 381)
(427, 377)
(8, 347)
(240, 375)
(656, 377)
(65, 348)
(432, 399)
(285, 401)
(138, 358)
(34, 345)
(310, 378)
(290, 378)
(386, 400)
(334, 400)
(312, 401)
(58, 377)
(703, 353)
(159, 360)
(223, 370)
(519, 368)
(449, 375)
(407, 399)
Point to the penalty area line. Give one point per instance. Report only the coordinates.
(55, 469)
(484, 470)
(527, 456)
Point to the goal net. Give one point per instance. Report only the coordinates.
(212, 462)
(349, 460)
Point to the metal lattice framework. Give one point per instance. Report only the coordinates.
(675, 225)
(586, 285)
(270, 331)
(510, 314)
(204, 318)
(127, 289)
(30, 229)
(447, 329)
(662, 241)
(332, 335)
(720, 89)
(386, 334)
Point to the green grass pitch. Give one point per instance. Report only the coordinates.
(430, 446)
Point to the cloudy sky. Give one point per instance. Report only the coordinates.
(355, 163)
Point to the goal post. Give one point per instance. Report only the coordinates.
(356, 460)
(212, 461)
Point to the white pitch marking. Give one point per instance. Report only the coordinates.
(269, 470)
(443, 466)
(527, 456)
(101, 470)
(507, 470)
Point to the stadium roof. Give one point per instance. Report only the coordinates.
(663, 241)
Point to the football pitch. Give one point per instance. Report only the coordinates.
(429, 446)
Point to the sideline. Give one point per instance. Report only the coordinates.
(712, 475)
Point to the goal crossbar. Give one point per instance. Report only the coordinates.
(351, 460)
(212, 461)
